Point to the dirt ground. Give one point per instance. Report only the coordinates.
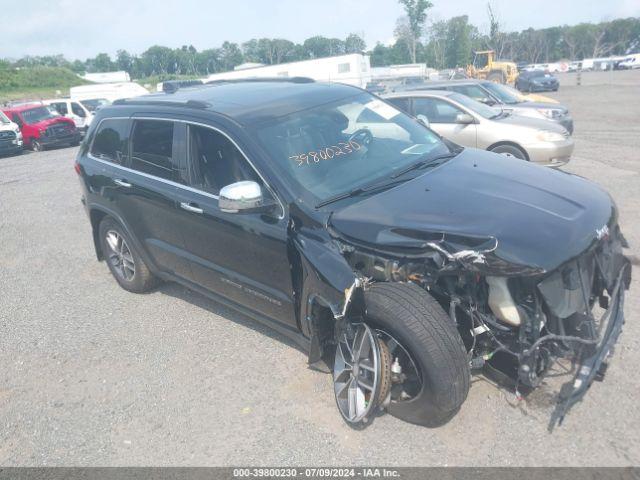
(93, 375)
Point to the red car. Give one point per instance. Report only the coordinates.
(42, 128)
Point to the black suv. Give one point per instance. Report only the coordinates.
(401, 260)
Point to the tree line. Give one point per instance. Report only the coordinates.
(440, 44)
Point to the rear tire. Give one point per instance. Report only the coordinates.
(419, 323)
(510, 151)
(123, 260)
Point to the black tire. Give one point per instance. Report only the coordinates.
(497, 77)
(36, 146)
(509, 151)
(419, 323)
(142, 280)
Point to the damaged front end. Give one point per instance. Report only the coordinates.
(515, 320)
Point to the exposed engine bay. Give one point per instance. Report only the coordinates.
(515, 320)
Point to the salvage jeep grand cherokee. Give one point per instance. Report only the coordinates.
(401, 259)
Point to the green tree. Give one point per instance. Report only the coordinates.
(459, 41)
(416, 12)
(354, 44)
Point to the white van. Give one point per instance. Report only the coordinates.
(108, 91)
(72, 109)
(630, 62)
(10, 136)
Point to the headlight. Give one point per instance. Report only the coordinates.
(531, 113)
(548, 136)
(550, 112)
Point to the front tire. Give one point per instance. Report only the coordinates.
(510, 151)
(414, 318)
(36, 146)
(123, 260)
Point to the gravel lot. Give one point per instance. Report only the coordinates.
(93, 375)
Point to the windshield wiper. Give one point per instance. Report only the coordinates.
(359, 191)
(431, 162)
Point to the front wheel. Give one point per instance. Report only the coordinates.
(510, 151)
(36, 146)
(421, 348)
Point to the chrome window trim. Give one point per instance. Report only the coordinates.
(176, 184)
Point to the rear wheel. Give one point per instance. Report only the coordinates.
(123, 260)
(510, 151)
(428, 375)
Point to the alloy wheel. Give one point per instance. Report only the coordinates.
(356, 373)
(120, 256)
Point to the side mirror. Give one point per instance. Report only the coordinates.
(423, 120)
(245, 196)
(464, 118)
(488, 101)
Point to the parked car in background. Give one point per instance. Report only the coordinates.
(10, 136)
(473, 124)
(74, 110)
(630, 63)
(537, 81)
(505, 97)
(93, 104)
(42, 128)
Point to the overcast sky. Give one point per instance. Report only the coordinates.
(83, 28)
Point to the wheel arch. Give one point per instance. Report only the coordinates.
(97, 213)
(510, 144)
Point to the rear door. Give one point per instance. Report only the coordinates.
(442, 119)
(145, 191)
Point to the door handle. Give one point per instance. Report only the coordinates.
(122, 183)
(189, 207)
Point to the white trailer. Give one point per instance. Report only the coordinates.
(352, 69)
(107, 77)
(108, 91)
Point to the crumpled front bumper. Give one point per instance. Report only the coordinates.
(594, 356)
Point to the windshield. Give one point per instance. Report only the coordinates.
(344, 145)
(38, 114)
(504, 93)
(477, 107)
(93, 104)
(3, 118)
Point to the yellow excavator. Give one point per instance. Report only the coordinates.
(484, 67)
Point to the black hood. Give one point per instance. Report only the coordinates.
(539, 217)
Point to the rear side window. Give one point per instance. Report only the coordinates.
(401, 103)
(111, 141)
(60, 107)
(77, 110)
(152, 149)
(472, 91)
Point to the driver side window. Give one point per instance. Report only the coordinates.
(215, 161)
(436, 110)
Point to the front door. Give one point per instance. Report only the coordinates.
(241, 256)
(442, 119)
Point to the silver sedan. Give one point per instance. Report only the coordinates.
(473, 124)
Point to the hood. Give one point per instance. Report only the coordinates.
(52, 121)
(531, 122)
(543, 105)
(538, 217)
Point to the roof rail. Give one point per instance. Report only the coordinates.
(165, 103)
(263, 79)
(172, 86)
